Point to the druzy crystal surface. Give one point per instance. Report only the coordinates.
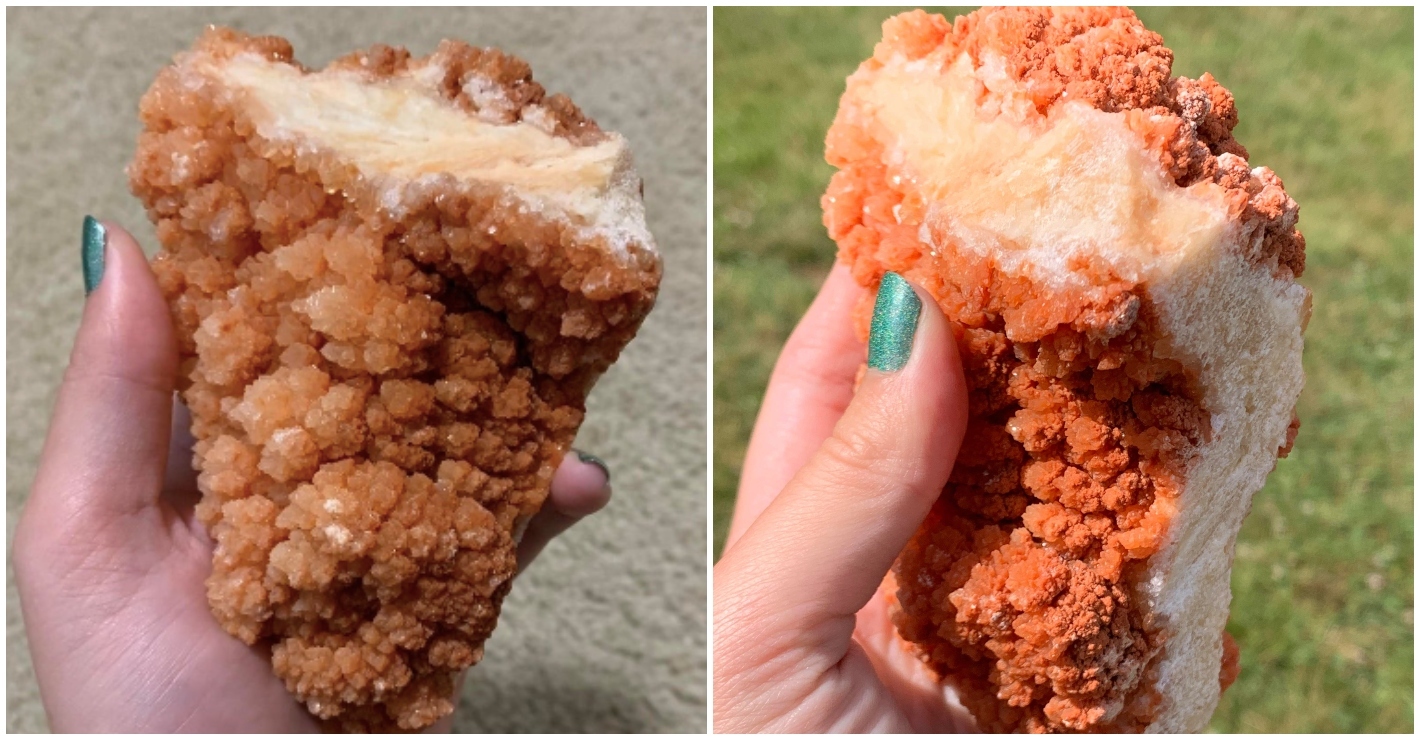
(394, 282)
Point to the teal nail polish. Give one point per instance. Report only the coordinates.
(594, 460)
(894, 324)
(93, 253)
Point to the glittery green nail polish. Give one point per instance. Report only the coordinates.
(594, 460)
(92, 253)
(894, 324)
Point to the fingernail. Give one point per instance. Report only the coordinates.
(93, 253)
(894, 324)
(594, 460)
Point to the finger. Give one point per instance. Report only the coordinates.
(930, 705)
(580, 487)
(106, 450)
(825, 543)
(810, 387)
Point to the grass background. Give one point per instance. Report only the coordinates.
(1323, 601)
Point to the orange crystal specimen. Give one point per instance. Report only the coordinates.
(1042, 175)
(394, 282)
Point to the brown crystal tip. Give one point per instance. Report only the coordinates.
(394, 282)
(1124, 286)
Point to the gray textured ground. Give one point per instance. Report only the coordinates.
(606, 633)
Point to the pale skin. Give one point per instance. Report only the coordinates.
(835, 482)
(110, 562)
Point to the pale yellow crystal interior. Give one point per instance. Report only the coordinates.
(1034, 191)
(399, 127)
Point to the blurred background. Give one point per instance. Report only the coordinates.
(606, 632)
(1323, 599)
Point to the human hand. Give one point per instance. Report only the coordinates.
(834, 484)
(109, 560)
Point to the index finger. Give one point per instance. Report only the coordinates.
(810, 387)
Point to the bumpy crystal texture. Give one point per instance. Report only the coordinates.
(1039, 172)
(394, 282)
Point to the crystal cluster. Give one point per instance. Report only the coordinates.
(1068, 203)
(394, 282)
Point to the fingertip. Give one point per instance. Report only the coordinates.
(925, 368)
(126, 328)
(121, 252)
(581, 485)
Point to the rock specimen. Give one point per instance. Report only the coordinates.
(394, 282)
(1124, 286)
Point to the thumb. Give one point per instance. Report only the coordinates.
(828, 539)
(108, 437)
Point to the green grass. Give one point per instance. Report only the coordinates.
(1323, 601)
